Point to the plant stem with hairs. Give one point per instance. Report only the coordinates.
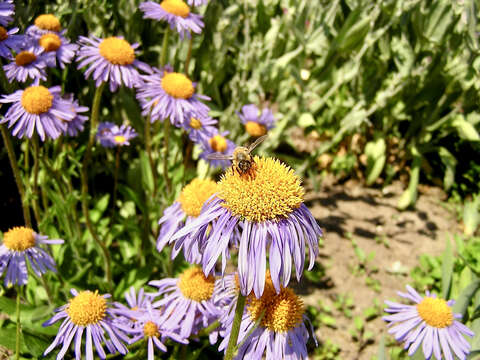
(18, 332)
(16, 175)
(237, 320)
(84, 179)
(148, 149)
(36, 194)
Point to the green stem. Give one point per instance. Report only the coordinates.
(163, 56)
(189, 55)
(16, 175)
(17, 344)
(237, 320)
(115, 175)
(84, 178)
(36, 195)
(148, 149)
(166, 133)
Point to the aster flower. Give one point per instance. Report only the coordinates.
(149, 327)
(27, 64)
(137, 304)
(200, 129)
(281, 333)
(111, 135)
(40, 108)
(9, 41)
(7, 10)
(217, 143)
(110, 60)
(197, 2)
(265, 208)
(43, 24)
(165, 94)
(187, 303)
(184, 210)
(75, 125)
(89, 313)
(19, 245)
(57, 45)
(176, 13)
(431, 322)
(256, 124)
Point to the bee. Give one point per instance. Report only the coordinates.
(241, 159)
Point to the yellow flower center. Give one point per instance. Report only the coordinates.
(218, 143)
(195, 286)
(3, 33)
(117, 51)
(25, 58)
(255, 129)
(150, 329)
(195, 123)
(19, 238)
(194, 195)
(282, 312)
(37, 99)
(120, 139)
(273, 192)
(87, 308)
(176, 7)
(50, 42)
(48, 22)
(435, 312)
(178, 85)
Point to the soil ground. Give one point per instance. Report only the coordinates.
(370, 218)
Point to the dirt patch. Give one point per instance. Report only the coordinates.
(354, 216)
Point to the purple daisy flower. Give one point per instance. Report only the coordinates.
(265, 208)
(89, 313)
(110, 135)
(44, 24)
(111, 60)
(27, 64)
(75, 125)
(281, 333)
(187, 303)
(166, 94)
(217, 143)
(200, 129)
(256, 124)
(176, 13)
(20, 244)
(59, 46)
(149, 327)
(430, 321)
(40, 108)
(7, 10)
(137, 304)
(197, 2)
(187, 207)
(9, 41)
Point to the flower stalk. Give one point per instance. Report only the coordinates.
(237, 320)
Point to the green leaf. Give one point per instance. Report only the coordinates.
(471, 215)
(465, 130)
(382, 351)
(466, 296)
(450, 163)
(376, 157)
(8, 337)
(305, 120)
(409, 196)
(146, 172)
(447, 269)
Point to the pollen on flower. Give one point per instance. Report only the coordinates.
(195, 123)
(50, 42)
(150, 329)
(281, 312)
(117, 51)
(3, 33)
(25, 58)
(119, 139)
(178, 85)
(19, 238)
(218, 143)
(271, 194)
(195, 286)
(194, 195)
(255, 129)
(37, 99)
(48, 22)
(435, 312)
(87, 308)
(176, 7)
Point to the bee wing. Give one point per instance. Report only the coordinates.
(217, 156)
(257, 142)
